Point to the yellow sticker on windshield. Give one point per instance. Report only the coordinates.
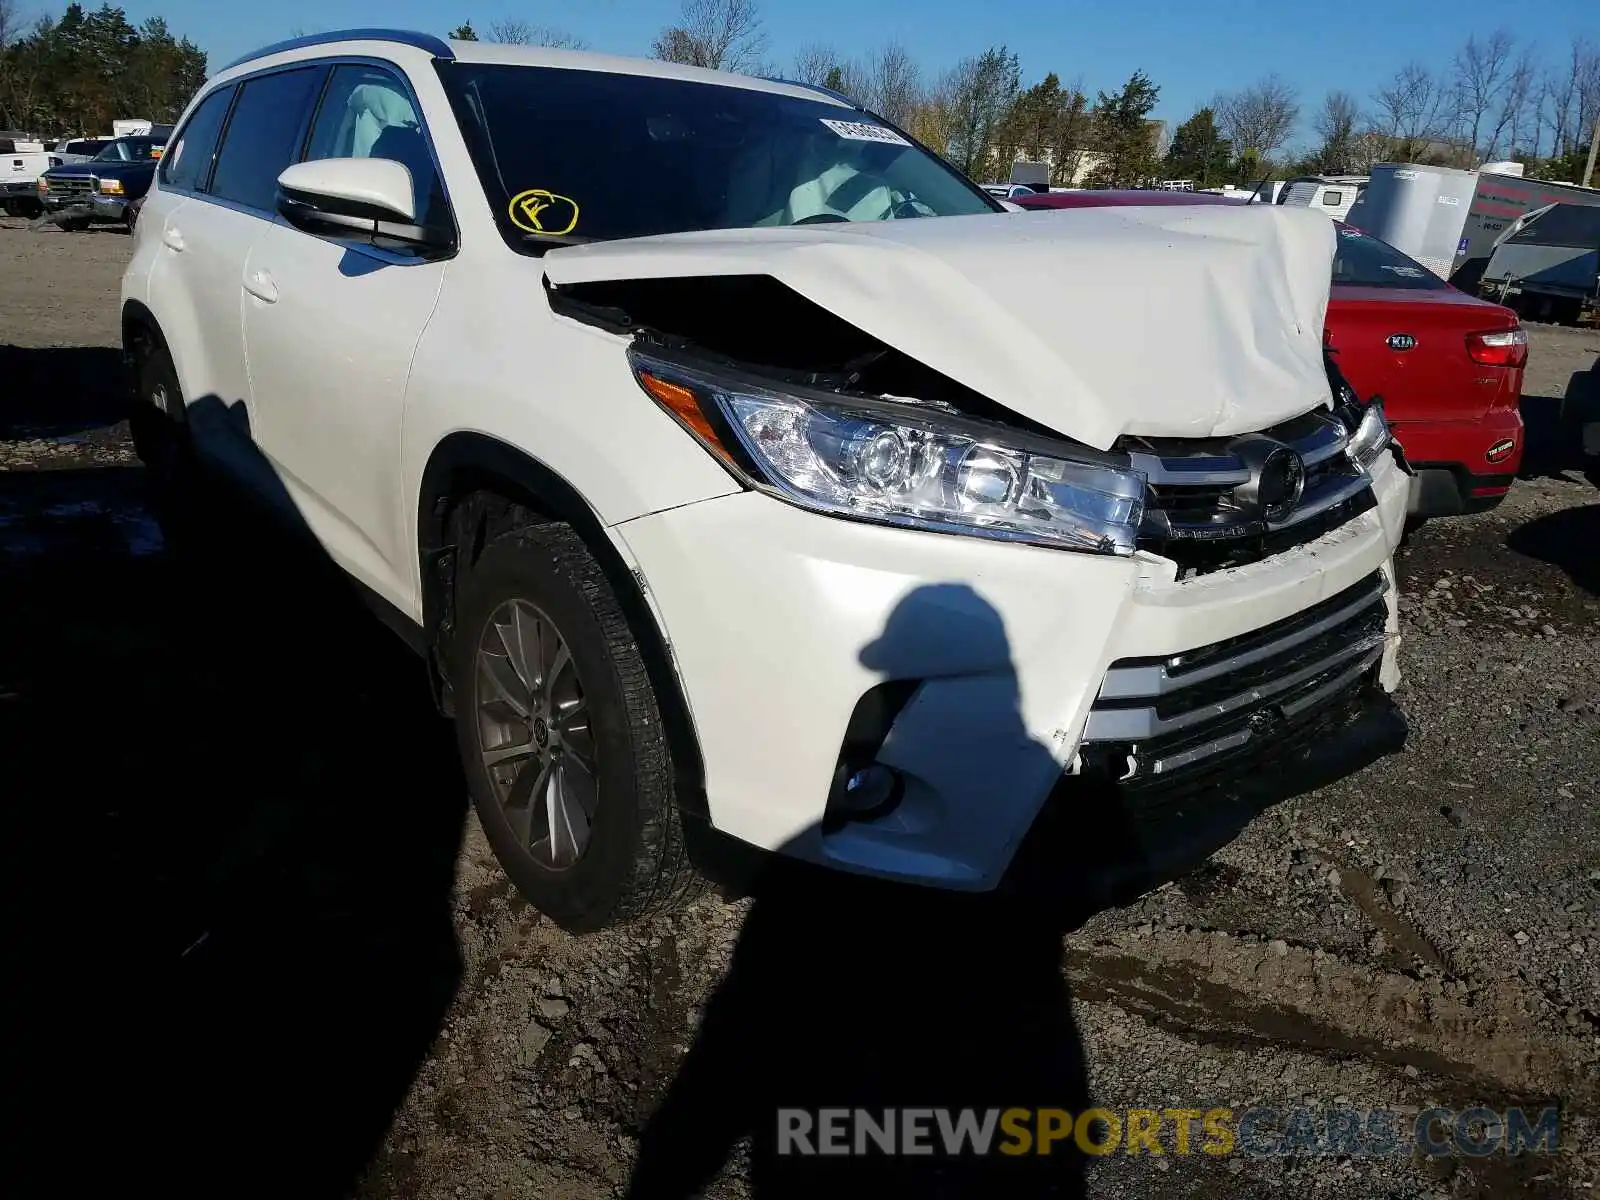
(539, 211)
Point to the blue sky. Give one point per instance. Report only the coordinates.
(1192, 50)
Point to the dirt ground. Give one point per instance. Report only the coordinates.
(265, 949)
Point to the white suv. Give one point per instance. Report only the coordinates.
(739, 464)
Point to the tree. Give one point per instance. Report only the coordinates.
(1481, 73)
(79, 73)
(1336, 123)
(1122, 136)
(516, 32)
(1199, 151)
(1571, 97)
(1046, 123)
(1517, 105)
(814, 63)
(725, 35)
(463, 33)
(163, 72)
(891, 83)
(978, 94)
(1412, 111)
(1261, 117)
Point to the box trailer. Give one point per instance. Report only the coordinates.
(1548, 262)
(1449, 219)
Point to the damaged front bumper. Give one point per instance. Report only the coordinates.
(980, 673)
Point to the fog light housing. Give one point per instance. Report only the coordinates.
(864, 795)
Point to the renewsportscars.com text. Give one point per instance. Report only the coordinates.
(1258, 1131)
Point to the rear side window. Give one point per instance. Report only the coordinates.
(188, 163)
(1362, 261)
(263, 136)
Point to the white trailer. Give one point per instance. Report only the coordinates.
(1448, 219)
(1332, 194)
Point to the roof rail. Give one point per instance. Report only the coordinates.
(817, 87)
(435, 46)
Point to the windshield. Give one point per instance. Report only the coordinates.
(596, 155)
(130, 150)
(1362, 261)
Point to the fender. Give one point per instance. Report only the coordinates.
(465, 464)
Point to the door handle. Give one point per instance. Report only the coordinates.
(172, 237)
(260, 285)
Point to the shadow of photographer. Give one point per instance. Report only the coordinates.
(236, 816)
(853, 993)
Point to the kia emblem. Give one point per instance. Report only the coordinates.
(1400, 341)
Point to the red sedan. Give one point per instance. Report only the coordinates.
(1447, 365)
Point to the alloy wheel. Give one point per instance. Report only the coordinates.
(534, 735)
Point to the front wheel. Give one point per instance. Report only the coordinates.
(561, 736)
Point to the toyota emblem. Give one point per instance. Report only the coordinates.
(1283, 483)
(1400, 341)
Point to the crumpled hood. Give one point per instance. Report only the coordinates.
(1180, 322)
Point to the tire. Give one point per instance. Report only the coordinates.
(177, 484)
(75, 225)
(635, 861)
(156, 421)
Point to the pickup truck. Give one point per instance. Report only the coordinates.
(21, 164)
(104, 190)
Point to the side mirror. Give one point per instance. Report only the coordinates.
(365, 196)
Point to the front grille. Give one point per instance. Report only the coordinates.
(1195, 512)
(71, 187)
(1158, 721)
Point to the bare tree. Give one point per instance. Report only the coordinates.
(813, 62)
(894, 83)
(1479, 75)
(1335, 124)
(725, 35)
(1517, 101)
(1412, 110)
(1571, 97)
(513, 31)
(10, 22)
(1261, 117)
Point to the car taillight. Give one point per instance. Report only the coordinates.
(1499, 348)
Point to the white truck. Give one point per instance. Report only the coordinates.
(21, 164)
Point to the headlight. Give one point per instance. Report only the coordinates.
(1371, 437)
(111, 187)
(923, 467)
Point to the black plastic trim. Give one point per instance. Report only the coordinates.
(483, 461)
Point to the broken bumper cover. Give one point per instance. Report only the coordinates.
(781, 621)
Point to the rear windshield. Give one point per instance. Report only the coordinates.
(594, 156)
(1363, 261)
(131, 149)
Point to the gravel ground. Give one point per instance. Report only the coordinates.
(244, 858)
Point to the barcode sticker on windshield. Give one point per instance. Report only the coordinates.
(865, 131)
